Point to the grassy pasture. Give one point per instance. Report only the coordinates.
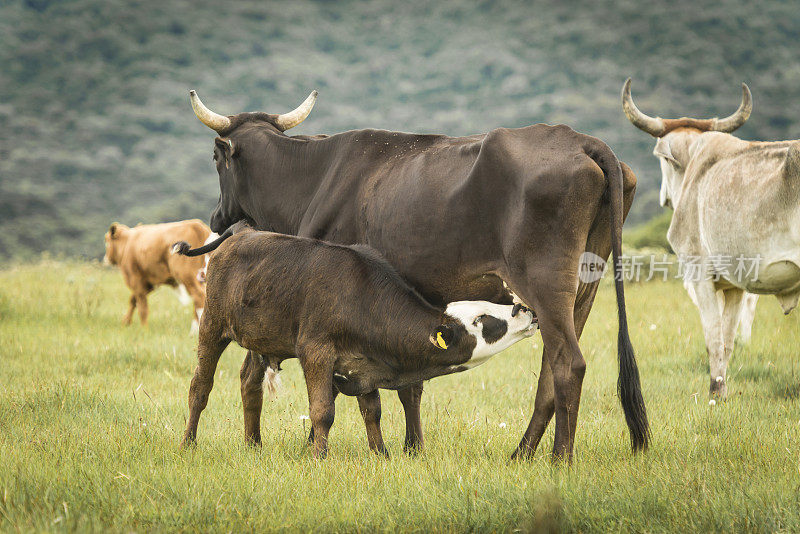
(91, 414)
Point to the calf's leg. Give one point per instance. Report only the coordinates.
(317, 364)
(411, 398)
(208, 353)
(370, 406)
(310, 440)
(252, 386)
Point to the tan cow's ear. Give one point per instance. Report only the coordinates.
(112, 230)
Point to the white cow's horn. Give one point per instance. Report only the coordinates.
(652, 125)
(729, 124)
(298, 115)
(216, 122)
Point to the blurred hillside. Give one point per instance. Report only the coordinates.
(97, 127)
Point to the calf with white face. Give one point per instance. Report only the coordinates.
(353, 323)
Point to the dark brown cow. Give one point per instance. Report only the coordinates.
(343, 311)
(455, 217)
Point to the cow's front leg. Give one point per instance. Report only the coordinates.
(705, 297)
(252, 386)
(370, 406)
(318, 364)
(411, 398)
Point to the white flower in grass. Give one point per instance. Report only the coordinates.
(712, 402)
(304, 417)
(653, 327)
(502, 425)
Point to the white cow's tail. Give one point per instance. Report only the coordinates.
(628, 384)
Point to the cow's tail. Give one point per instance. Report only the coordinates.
(185, 249)
(628, 384)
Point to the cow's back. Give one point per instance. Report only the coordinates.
(461, 200)
(148, 252)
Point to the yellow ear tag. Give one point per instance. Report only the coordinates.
(440, 340)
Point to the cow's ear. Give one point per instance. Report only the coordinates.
(226, 146)
(443, 336)
(113, 230)
(664, 150)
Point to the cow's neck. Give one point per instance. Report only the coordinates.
(286, 187)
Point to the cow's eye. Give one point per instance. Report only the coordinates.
(478, 319)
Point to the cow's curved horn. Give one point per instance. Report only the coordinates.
(729, 124)
(298, 115)
(652, 125)
(216, 122)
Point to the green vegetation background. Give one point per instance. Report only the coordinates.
(97, 127)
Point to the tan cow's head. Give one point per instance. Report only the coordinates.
(116, 238)
(675, 137)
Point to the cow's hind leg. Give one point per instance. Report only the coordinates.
(370, 406)
(198, 296)
(131, 307)
(544, 407)
(208, 352)
(705, 297)
(411, 398)
(733, 301)
(252, 386)
(553, 299)
(141, 305)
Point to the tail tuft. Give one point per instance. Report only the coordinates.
(181, 247)
(272, 382)
(630, 395)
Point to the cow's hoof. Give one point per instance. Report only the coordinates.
(718, 389)
(412, 450)
(522, 454)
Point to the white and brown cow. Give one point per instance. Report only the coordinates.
(143, 256)
(737, 210)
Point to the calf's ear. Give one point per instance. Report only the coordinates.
(443, 336)
(112, 230)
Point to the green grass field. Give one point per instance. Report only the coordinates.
(91, 415)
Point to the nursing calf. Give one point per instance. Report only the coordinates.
(349, 318)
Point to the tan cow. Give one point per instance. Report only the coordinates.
(143, 255)
(737, 214)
